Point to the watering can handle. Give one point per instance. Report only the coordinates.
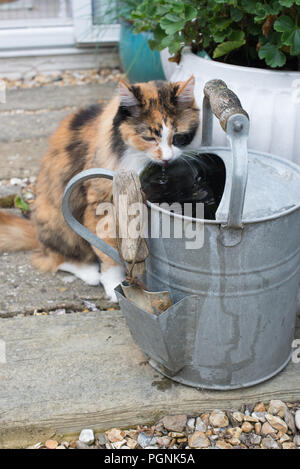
(226, 106)
(222, 101)
(78, 227)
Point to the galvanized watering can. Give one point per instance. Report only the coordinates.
(233, 318)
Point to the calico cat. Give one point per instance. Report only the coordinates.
(151, 121)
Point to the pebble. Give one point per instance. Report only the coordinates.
(269, 443)
(276, 406)
(238, 416)
(87, 436)
(190, 425)
(51, 444)
(101, 439)
(15, 181)
(131, 443)
(234, 432)
(251, 418)
(176, 423)
(247, 427)
(119, 444)
(297, 419)
(260, 407)
(290, 421)
(257, 427)
(198, 440)
(200, 425)
(81, 445)
(252, 428)
(65, 444)
(277, 423)
(266, 429)
(218, 418)
(115, 434)
(176, 435)
(288, 445)
(31, 79)
(261, 416)
(144, 440)
(297, 439)
(284, 438)
(254, 439)
(222, 444)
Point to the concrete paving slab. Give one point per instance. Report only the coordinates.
(56, 97)
(22, 158)
(83, 370)
(21, 127)
(67, 59)
(30, 116)
(24, 290)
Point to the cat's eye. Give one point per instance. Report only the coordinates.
(148, 139)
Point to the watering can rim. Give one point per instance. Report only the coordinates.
(212, 149)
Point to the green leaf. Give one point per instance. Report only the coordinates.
(172, 27)
(173, 18)
(284, 24)
(238, 36)
(162, 9)
(272, 55)
(220, 36)
(226, 47)
(190, 13)
(286, 3)
(236, 14)
(174, 47)
(222, 23)
(287, 38)
(264, 10)
(254, 29)
(20, 203)
(177, 7)
(249, 6)
(295, 49)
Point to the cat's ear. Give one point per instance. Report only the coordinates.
(185, 93)
(127, 98)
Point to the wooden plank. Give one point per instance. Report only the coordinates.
(130, 212)
(80, 370)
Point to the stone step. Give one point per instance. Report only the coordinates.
(82, 370)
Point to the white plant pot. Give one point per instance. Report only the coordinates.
(271, 98)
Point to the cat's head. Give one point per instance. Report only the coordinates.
(158, 118)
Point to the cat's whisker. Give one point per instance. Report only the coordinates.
(181, 157)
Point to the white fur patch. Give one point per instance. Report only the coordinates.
(89, 273)
(110, 279)
(134, 160)
(169, 152)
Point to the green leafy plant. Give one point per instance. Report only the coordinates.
(246, 32)
(21, 204)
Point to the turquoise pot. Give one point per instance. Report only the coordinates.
(139, 62)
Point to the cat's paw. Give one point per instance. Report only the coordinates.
(89, 273)
(110, 279)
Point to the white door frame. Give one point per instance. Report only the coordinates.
(88, 33)
(56, 37)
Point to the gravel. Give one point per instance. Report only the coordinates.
(66, 77)
(270, 425)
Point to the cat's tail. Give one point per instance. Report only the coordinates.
(16, 233)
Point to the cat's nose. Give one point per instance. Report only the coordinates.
(167, 154)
